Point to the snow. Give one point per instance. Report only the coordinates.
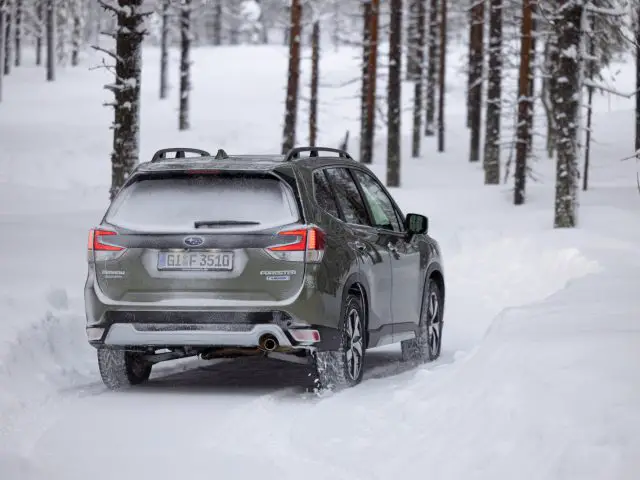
(538, 374)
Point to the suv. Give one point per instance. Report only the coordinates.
(302, 258)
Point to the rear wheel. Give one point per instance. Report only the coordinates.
(120, 369)
(344, 367)
(427, 345)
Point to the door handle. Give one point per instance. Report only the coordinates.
(392, 247)
(360, 246)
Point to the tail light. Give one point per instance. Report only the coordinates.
(100, 246)
(306, 245)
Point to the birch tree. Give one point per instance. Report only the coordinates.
(126, 87)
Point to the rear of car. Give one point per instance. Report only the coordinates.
(202, 258)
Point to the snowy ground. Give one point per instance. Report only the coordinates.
(538, 376)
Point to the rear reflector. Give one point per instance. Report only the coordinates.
(305, 335)
(307, 244)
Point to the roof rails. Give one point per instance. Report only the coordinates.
(180, 153)
(294, 153)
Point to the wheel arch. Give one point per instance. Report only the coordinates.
(356, 284)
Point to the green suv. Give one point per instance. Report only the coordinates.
(304, 258)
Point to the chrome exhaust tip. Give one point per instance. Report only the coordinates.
(268, 342)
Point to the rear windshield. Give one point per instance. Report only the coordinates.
(177, 203)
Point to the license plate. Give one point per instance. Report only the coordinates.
(195, 261)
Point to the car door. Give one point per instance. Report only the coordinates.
(406, 291)
(370, 247)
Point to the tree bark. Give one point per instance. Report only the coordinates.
(567, 102)
(185, 64)
(394, 93)
(417, 93)
(51, 40)
(2, 40)
(217, 23)
(7, 39)
(291, 102)
(523, 132)
(412, 39)
(432, 59)
(532, 74)
(365, 149)
(315, 76)
(475, 78)
(442, 76)
(591, 73)
(17, 57)
(372, 72)
(76, 37)
(128, 63)
(491, 159)
(638, 80)
(164, 49)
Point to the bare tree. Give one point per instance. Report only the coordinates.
(126, 87)
(442, 75)
(394, 94)
(291, 102)
(432, 59)
(418, 77)
(315, 76)
(491, 159)
(3, 5)
(523, 133)
(566, 102)
(164, 47)
(369, 83)
(17, 57)
(51, 39)
(412, 38)
(475, 77)
(185, 64)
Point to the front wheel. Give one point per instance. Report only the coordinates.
(344, 367)
(427, 345)
(121, 369)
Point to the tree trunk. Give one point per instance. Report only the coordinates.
(76, 39)
(491, 160)
(291, 102)
(365, 149)
(185, 64)
(442, 76)
(17, 57)
(164, 47)
(40, 28)
(372, 71)
(638, 80)
(51, 40)
(567, 102)
(591, 73)
(417, 93)
(7, 39)
(532, 75)
(2, 40)
(217, 23)
(126, 125)
(523, 133)
(432, 59)
(335, 32)
(550, 85)
(475, 78)
(394, 94)
(315, 75)
(412, 39)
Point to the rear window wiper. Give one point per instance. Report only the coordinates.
(222, 223)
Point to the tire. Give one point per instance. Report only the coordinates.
(427, 345)
(121, 369)
(344, 368)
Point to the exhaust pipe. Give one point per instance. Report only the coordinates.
(268, 342)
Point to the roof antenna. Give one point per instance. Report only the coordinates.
(221, 155)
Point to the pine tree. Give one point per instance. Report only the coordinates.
(315, 76)
(291, 102)
(126, 87)
(7, 36)
(394, 94)
(491, 158)
(475, 78)
(78, 13)
(185, 64)
(369, 81)
(432, 59)
(365, 148)
(2, 40)
(51, 27)
(442, 75)
(164, 48)
(39, 29)
(417, 77)
(638, 79)
(17, 57)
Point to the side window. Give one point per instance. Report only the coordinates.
(323, 194)
(380, 205)
(348, 196)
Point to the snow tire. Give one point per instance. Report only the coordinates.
(121, 369)
(427, 345)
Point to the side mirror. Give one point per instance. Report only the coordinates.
(416, 224)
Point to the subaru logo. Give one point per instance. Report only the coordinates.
(193, 241)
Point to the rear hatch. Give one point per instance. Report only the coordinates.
(214, 236)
